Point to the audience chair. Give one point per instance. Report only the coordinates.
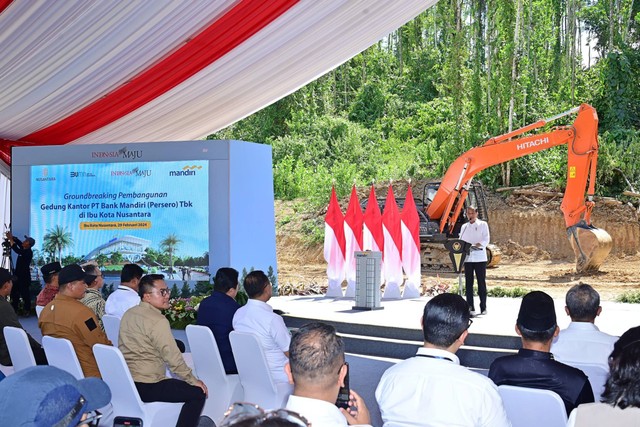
(226, 389)
(39, 309)
(19, 348)
(124, 395)
(61, 354)
(532, 407)
(6, 370)
(597, 374)
(255, 376)
(111, 328)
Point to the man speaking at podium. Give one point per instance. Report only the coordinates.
(475, 232)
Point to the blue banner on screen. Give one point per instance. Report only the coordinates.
(141, 212)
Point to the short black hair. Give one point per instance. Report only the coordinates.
(147, 283)
(316, 353)
(92, 269)
(255, 283)
(537, 336)
(48, 277)
(582, 302)
(226, 278)
(622, 388)
(445, 318)
(130, 272)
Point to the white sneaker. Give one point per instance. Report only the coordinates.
(473, 313)
(484, 312)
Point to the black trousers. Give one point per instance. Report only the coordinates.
(21, 289)
(480, 269)
(176, 391)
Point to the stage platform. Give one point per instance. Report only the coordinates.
(615, 319)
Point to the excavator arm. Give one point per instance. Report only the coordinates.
(591, 245)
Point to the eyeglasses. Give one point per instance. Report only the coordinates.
(242, 411)
(163, 292)
(470, 323)
(344, 364)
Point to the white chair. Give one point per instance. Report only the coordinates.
(39, 309)
(19, 348)
(597, 374)
(61, 354)
(124, 395)
(111, 328)
(225, 389)
(255, 376)
(532, 407)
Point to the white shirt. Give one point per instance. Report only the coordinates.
(582, 342)
(478, 232)
(318, 412)
(432, 389)
(258, 318)
(121, 300)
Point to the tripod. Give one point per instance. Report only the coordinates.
(7, 261)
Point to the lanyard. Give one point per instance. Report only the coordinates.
(435, 357)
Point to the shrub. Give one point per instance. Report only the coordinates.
(632, 297)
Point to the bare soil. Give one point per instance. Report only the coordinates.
(530, 233)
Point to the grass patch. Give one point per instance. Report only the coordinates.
(631, 297)
(500, 292)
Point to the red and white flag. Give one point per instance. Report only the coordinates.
(392, 247)
(372, 237)
(334, 246)
(353, 221)
(411, 246)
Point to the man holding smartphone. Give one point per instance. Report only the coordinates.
(476, 232)
(319, 373)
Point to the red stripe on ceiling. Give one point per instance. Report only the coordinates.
(4, 4)
(222, 36)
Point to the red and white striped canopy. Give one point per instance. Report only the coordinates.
(108, 71)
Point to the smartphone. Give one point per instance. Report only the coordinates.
(344, 393)
(127, 422)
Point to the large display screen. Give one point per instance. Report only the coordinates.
(152, 213)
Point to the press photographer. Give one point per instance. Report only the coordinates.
(22, 271)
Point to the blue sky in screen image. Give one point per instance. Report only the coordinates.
(68, 195)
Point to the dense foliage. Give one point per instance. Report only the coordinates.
(459, 73)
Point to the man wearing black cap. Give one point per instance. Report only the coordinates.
(23, 272)
(8, 317)
(66, 317)
(534, 365)
(50, 275)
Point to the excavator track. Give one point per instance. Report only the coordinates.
(590, 244)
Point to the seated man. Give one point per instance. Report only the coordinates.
(126, 296)
(582, 341)
(432, 388)
(257, 317)
(534, 365)
(149, 348)
(93, 297)
(50, 275)
(316, 353)
(8, 317)
(66, 317)
(217, 310)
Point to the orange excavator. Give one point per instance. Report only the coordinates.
(444, 203)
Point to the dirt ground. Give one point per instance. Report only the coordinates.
(530, 234)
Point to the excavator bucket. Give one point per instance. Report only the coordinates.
(590, 244)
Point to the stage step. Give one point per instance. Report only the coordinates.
(479, 350)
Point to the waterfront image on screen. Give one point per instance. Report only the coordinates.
(155, 214)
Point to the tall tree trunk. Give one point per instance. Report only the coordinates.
(514, 75)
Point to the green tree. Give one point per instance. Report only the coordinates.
(185, 292)
(56, 240)
(169, 244)
(116, 258)
(102, 260)
(175, 293)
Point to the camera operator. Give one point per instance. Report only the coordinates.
(22, 271)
